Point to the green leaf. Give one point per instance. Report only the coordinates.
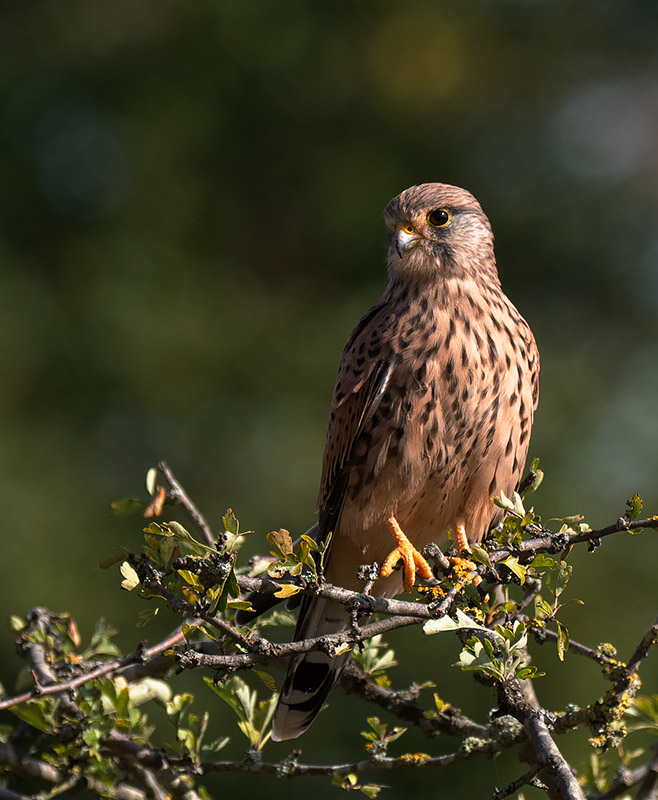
(116, 554)
(126, 506)
(503, 502)
(151, 481)
(267, 679)
(16, 624)
(131, 578)
(146, 615)
(634, 507)
(32, 712)
(288, 590)
(480, 554)
(562, 640)
(514, 567)
(231, 524)
(281, 542)
(556, 581)
(232, 587)
(310, 542)
(240, 605)
(463, 622)
(216, 745)
(528, 672)
(543, 610)
(190, 578)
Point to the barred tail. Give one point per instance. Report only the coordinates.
(310, 676)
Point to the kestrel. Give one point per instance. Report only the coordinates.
(430, 418)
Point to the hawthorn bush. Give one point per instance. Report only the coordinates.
(79, 721)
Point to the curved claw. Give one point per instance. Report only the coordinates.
(461, 540)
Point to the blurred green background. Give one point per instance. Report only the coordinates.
(190, 227)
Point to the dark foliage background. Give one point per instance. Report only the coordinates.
(190, 226)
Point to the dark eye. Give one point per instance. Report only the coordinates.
(438, 218)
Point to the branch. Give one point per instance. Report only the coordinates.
(528, 778)
(545, 634)
(405, 706)
(614, 703)
(152, 761)
(642, 650)
(554, 542)
(357, 601)
(649, 788)
(546, 753)
(137, 665)
(550, 758)
(182, 499)
(262, 651)
(291, 768)
(36, 769)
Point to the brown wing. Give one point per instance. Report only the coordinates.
(364, 372)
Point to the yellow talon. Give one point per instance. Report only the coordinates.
(412, 561)
(461, 540)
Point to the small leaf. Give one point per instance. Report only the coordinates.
(480, 554)
(32, 712)
(514, 567)
(146, 615)
(72, 630)
(116, 554)
(214, 747)
(267, 679)
(131, 577)
(281, 541)
(126, 506)
(463, 622)
(151, 481)
(288, 590)
(190, 578)
(240, 605)
(16, 624)
(562, 640)
(231, 524)
(310, 542)
(634, 506)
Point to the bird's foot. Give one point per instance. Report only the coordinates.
(412, 561)
(460, 563)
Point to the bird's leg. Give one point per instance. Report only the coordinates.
(412, 561)
(461, 540)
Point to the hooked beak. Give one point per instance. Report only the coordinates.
(405, 240)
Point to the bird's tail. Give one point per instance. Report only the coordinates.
(310, 676)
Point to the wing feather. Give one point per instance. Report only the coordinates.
(364, 373)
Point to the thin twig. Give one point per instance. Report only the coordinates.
(525, 779)
(116, 665)
(555, 542)
(181, 498)
(546, 635)
(642, 650)
(292, 768)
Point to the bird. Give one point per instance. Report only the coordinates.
(430, 418)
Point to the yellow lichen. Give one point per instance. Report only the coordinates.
(414, 759)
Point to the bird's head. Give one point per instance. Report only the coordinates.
(437, 231)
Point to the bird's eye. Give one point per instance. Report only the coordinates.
(438, 218)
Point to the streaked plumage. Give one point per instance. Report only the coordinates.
(430, 416)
